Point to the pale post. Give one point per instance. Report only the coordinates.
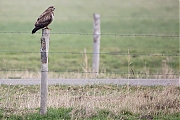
(96, 44)
(44, 70)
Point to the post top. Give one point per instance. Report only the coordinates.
(96, 15)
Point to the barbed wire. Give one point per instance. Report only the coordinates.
(106, 53)
(89, 72)
(104, 16)
(102, 34)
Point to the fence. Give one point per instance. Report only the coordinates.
(155, 64)
(111, 72)
(114, 55)
(85, 71)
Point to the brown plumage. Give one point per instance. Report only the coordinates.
(44, 19)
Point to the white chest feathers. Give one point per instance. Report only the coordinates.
(52, 15)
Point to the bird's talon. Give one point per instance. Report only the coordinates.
(47, 28)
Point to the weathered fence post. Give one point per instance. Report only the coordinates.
(44, 70)
(96, 44)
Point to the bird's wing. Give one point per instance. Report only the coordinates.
(44, 19)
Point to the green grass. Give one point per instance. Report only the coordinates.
(52, 114)
(91, 102)
(64, 113)
(117, 17)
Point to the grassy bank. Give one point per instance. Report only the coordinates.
(64, 113)
(91, 102)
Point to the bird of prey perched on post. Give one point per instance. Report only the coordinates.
(44, 19)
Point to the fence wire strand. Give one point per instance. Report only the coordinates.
(102, 34)
(89, 72)
(105, 53)
(90, 16)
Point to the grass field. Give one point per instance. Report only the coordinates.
(91, 102)
(19, 51)
(117, 17)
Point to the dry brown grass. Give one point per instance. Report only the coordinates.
(87, 100)
(165, 73)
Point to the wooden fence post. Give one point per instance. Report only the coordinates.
(96, 44)
(44, 70)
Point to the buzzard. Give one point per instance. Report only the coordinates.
(44, 19)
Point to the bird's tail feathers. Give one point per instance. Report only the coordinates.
(35, 29)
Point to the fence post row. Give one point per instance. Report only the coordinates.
(96, 44)
(44, 70)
